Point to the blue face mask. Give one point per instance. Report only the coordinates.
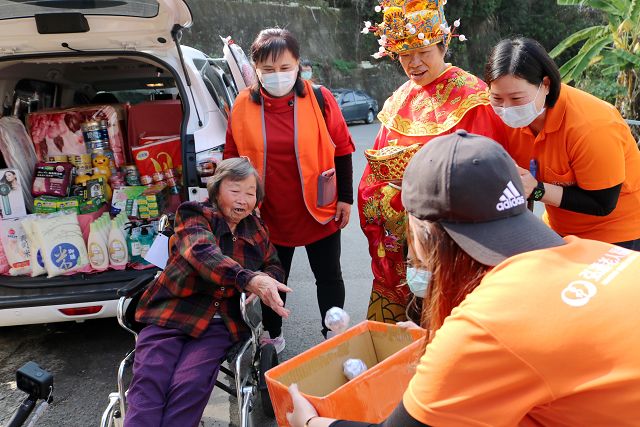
(418, 281)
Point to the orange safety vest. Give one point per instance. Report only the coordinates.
(314, 149)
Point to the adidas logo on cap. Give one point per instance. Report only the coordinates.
(510, 198)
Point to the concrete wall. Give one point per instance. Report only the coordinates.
(329, 37)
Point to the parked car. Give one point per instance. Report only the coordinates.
(356, 105)
(61, 55)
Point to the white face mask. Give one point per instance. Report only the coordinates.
(418, 281)
(306, 75)
(519, 116)
(278, 84)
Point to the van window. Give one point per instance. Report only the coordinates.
(10, 9)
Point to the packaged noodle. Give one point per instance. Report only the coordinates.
(63, 247)
(16, 246)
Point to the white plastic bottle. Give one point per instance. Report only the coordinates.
(118, 251)
(97, 248)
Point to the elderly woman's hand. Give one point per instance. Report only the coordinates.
(266, 288)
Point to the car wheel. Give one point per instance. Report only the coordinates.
(370, 117)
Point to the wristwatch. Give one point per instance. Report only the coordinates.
(538, 192)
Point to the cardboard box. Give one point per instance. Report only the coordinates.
(391, 354)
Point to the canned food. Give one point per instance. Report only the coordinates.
(157, 177)
(146, 180)
(62, 158)
(171, 182)
(169, 173)
(80, 160)
(116, 181)
(95, 134)
(131, 174)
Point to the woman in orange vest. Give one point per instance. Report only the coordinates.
(437, 99)
(304, 157)
(577, 155)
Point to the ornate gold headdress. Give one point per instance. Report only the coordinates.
(411, 24)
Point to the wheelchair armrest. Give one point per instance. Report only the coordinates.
(136, 285)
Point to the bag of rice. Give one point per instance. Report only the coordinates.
(35, 247)
(16, 246)
(4, 263)
(63, 248)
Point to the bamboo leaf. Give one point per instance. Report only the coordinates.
(566, 71)
(577, 37)
(610, 7)
(628, 57)
(589, 50)
(634, 11)
(613, 70)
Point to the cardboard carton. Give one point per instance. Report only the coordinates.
(391, 354)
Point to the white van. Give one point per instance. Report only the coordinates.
(63, 54)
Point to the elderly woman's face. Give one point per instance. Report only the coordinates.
(237, 199)
(423, 65)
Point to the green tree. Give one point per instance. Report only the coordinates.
(612, 48)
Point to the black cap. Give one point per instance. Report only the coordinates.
(470, 185)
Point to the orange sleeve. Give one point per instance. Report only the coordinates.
(468, 378)
(597, 156)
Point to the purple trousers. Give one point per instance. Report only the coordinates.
(174, 375)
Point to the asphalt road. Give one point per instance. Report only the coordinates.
(83, 357)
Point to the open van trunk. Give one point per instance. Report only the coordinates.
(38, 83)
(69, 56)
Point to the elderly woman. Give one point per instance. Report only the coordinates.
(438, 99)
(192, 309)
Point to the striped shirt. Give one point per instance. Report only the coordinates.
(208, 268)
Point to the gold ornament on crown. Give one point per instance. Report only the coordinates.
(411, 24)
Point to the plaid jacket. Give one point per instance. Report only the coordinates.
(208, 268)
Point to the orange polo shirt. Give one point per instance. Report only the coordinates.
(585, 142)
(526, 350)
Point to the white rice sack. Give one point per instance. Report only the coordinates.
(63, 248)
(16, 246)
(35, 247)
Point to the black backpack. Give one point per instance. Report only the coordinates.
(319, 97)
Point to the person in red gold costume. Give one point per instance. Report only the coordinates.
(438, 99)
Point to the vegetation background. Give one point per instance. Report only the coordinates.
(596, 42)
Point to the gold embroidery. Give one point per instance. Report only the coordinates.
(436, 113)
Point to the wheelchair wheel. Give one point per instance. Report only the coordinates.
(268, 359)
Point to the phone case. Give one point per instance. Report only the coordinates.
(327, 190)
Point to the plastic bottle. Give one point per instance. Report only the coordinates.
(97, 249)
(118, 251)
(133, 243)
(146, 240)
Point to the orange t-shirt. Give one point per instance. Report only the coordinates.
(585, 142)
(527, 350)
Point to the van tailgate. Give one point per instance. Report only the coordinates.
(25, 291)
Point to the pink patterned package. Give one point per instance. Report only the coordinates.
(59, 132)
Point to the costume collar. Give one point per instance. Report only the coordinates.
(435, 108)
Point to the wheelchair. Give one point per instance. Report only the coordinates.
(246, 361)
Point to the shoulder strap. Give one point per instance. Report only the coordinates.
(317, 91)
